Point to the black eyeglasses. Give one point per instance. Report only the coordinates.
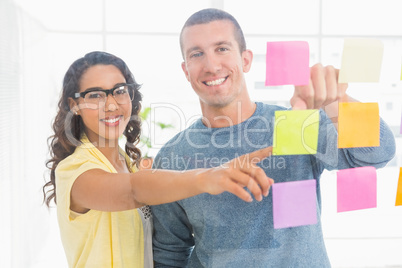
(96, 97)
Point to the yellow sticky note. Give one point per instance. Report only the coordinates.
(361, 60)
(398, 201)
(358, 125)
(296, 132)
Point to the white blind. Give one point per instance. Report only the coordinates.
(10, 117)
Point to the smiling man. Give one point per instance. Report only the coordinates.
(215, 67)
(222, 231)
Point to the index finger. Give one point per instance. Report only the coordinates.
(304, 95)
(298, 104)
(259, 155)
(342, 87)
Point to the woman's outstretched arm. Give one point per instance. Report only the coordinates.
(100, 190)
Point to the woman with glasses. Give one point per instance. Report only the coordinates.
(101, 195)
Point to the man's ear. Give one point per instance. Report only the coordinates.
(247, 58)
(184, 68)
(73, 106)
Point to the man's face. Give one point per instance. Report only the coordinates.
(213, 63)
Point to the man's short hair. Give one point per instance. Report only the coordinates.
(212, 14)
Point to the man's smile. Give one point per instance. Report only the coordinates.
(215, 82)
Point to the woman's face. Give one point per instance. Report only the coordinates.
(106, 123)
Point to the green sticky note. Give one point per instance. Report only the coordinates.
(361, 60)
(296, 132)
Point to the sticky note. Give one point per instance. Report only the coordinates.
(287, 63)
(358, 125)
(398, 201)
(400, 129)
(361, 60)
(294, 203)
(356, 188)
(296, 132)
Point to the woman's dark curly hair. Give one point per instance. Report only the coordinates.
(68, 127)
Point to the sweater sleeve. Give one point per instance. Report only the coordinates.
(173, 241)
(330, 157)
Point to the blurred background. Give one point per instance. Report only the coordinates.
(40, 39)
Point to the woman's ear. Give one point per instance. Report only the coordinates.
(73, 106)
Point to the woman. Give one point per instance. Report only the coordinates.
(101, 195)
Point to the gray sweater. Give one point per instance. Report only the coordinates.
(224, 231)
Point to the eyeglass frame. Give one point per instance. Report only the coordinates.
(107, 91)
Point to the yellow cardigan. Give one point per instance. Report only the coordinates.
(96, 238)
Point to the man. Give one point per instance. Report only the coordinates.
(223, 231)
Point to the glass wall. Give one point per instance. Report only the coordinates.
(50, 35)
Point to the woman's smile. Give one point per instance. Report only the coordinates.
(112, 120)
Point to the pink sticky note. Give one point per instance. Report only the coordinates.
(294, 203)
(356, 188)
(400, 130)
(287, 63)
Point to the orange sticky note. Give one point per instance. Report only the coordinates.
(401, 73)
(358, 125)
(398, 201)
